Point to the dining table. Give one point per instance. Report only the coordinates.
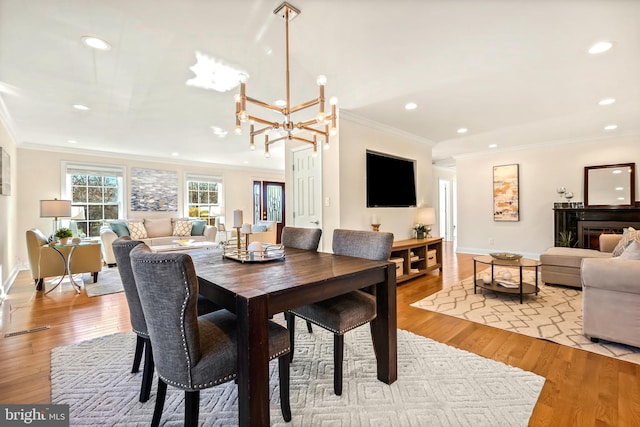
(256, 291)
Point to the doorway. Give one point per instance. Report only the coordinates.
(269, 204)
(447, 214)
(307, 191)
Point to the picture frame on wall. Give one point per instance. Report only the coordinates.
(506, 193)
(5, 172)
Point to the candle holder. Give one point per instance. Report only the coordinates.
(375, 227)
(238, 235)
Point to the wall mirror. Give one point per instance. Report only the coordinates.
(610, 185)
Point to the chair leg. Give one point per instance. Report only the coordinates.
(191, 408)
(283, 370)
(95, 276)
(291, 326)
(137, 357)
(338, 348)
(309, 328)
(160, 396)
(39, 284)
(147, 373)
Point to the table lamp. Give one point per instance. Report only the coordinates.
(427, 216)
(55, 209)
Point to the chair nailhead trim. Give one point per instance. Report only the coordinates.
(142, 334)
(342, 332)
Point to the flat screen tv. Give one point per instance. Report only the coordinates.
(391, 181)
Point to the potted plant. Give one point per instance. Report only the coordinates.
(63, 234)
(421, 230)
(565, 239)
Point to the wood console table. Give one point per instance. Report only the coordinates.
(423, 249)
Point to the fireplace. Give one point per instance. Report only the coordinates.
(586, 224)
(589, 231)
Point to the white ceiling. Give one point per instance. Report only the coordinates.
(514, 72)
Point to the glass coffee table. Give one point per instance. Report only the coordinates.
(515, 285)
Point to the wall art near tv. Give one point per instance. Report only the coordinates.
(154, 190)
(506, 193)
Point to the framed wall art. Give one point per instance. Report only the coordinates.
(5, 172)
(506, 193)
(154, 190)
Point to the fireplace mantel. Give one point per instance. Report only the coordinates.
(585, 224)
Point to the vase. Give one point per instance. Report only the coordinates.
(420, 234)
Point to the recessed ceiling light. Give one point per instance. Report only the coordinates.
(607, 101)
(493, 145)
(600, 47)
(175, 154)
(72, 141)
(611, 127)
(96, 43)
(281, 103)
(619, 188)
(411, 106)
(81, 107)
(463, 130)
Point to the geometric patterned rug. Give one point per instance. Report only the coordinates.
(555, 314)
(437, 385)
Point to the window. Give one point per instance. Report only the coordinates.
(96, 193)
(204, 197)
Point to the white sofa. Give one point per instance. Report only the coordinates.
(262, 231)
(160, 231)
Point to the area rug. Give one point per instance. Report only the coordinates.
(554, 314)
(108, 283)
(437, 385)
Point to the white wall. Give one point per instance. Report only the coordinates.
(39, 177)
(542, 170)
(354, 139)
(8, 214)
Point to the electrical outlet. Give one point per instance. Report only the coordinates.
(491, 240)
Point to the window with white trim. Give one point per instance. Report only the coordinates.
(204, 197)
(96, 193)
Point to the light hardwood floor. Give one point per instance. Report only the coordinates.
(582, 388)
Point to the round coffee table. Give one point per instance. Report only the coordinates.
(519, 286)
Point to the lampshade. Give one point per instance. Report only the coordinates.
(55, 208)
(77, 213)
(426, 216)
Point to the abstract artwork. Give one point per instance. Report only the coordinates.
(154, 190)
(506, 193)
(5, 172)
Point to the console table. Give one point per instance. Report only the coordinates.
(427, 256)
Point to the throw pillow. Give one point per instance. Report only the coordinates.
(198, 227)
(182, 228)
(629, 235)
(632, 251)
(120, 228)
(137, 230)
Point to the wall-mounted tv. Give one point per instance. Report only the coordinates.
(391, 181)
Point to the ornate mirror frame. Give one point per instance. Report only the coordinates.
(607, 185)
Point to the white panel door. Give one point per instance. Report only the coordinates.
(306, 189)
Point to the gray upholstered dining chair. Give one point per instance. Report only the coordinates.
(193, 352)
(300, 238)
(345, 312)
(122, 247)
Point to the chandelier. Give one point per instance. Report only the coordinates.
(322, 125)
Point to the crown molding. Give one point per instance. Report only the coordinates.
(351, 116)
(145, 158)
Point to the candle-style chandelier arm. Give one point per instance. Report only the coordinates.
(307, 104)
(318, 131)
(260, 131)
(265, 105)
(263, 121)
